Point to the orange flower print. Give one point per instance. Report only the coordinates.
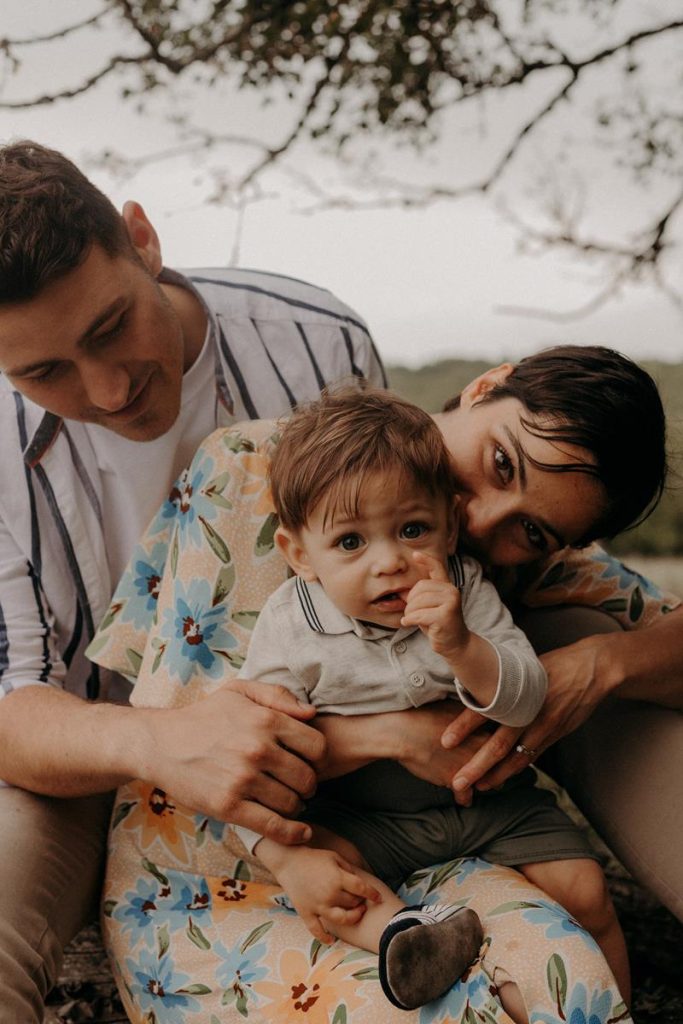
(157, 820)
(311, 993)
(232, 895)
(255, 466)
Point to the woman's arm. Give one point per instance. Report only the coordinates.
(411, 737)
(644, 664)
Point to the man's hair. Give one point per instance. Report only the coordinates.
(329, 447)
(50, 215)
(598, 399)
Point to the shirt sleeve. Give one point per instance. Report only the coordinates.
(593, 578)
(266, 661)
(522, 682)
(29, 650)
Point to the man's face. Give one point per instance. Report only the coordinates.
(512, 511)
(364, 562)
(102, 344)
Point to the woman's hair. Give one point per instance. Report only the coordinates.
(50, 216)
(599, 400)
(328, 448)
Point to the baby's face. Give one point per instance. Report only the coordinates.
(365, 562)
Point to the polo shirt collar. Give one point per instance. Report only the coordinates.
(324, 617)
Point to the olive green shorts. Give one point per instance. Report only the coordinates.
(520, 824)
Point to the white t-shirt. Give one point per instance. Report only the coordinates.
(137, 475)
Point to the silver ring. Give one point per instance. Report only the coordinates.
(527, 751)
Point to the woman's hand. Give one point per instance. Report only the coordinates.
(577, 683)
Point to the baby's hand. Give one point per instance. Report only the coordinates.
(434, 605)
(326, 890)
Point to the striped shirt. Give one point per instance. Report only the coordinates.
(277, 341)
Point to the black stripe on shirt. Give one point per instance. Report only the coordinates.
(34, 567)
(320, 380)
(87, 483)
(456, 570)
(93, 684)
(355, 370)
(309, 611)
(298, 303)
(4, 654)
(75, 637)
(252, 412)
(285, 387)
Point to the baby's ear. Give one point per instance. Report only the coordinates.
(453, 525)
(294, 553)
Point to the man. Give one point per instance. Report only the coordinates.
(113, 369)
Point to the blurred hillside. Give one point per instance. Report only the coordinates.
(662, 534)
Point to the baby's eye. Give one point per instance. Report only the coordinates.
(350, 542)
(535, 536)
(413, 531)
(503, 464)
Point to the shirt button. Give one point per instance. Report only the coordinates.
(417, 679)
(401, 647)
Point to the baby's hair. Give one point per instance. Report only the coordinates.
(328, 448)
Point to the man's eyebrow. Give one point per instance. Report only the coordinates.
(522, 459)
(92, 328)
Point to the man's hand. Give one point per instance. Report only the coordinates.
(240, 755)
(576, 686)
(325, 889)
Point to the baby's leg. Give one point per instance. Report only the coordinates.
(580, 886)
(423, 950)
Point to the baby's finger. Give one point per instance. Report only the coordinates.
(429, 566)
(318, 930)
(357, 886)
(339, 916)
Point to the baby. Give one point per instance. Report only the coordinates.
(382, 615)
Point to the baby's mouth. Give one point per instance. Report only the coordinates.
(392, 600)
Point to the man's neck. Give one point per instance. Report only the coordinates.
(192, 318)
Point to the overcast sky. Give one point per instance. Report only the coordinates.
(430, 283)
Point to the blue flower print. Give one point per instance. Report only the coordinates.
(612, 568)
(424, 884)
(580, 1009)
(557, 922)
(138, 912)
(192, 903)
(238, 971)
(212, 827)
(194, 632)
(156, 986)
(188, 501)
(140, 585)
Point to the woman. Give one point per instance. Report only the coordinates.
(195, 930)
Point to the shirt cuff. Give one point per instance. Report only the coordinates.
(515, 701)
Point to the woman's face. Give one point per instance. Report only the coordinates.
(510, 510)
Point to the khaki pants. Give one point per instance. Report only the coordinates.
(623, 768)
(51, 859)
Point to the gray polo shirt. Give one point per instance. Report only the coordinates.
(347, 667)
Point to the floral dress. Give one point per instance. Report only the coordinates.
(197, 931)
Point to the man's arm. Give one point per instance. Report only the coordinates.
(643, 664)
(239, 755)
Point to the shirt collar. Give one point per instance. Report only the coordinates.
(323, 616)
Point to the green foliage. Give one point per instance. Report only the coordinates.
(662, 533)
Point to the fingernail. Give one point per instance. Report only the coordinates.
(447, 742)
(460, 783)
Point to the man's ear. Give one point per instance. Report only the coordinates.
(293, 552)
(485, 382)
(143, 236)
